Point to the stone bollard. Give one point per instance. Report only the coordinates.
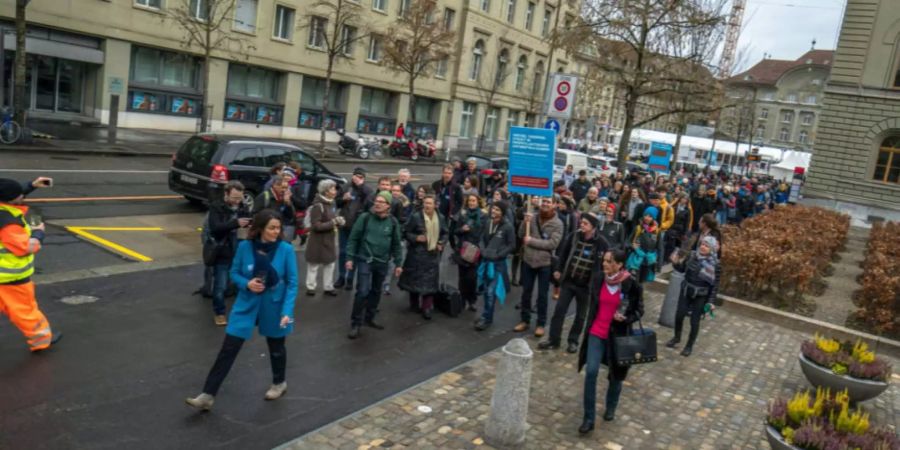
(670, 304)
(507, 424)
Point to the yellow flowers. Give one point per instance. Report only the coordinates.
(861, 352)
(827, 345)
(788, 434)
(799, 407)
(855, 423)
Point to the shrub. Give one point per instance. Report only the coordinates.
(879, 297)
(845, 358)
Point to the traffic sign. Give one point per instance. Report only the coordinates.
(552, 124)
(561, 98)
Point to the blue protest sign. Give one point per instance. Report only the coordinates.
(531, 153)
(552, 124)
(660, 156)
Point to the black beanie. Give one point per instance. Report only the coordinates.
(9, 190)
(592, 219)
(503, 205)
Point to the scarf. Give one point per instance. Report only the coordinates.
(614, 283)
(649, 228)
(708, 265)
(263, 253)
(473, 217)
(325, 199)
(432, 230)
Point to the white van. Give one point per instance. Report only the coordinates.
(601, 166)
(578, 160)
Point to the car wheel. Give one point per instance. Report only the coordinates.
(364, 154)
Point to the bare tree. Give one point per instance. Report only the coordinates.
(417, 45)
(334, 26)
(645, 45)
(206, 25)
(497, 72)
(21, 63)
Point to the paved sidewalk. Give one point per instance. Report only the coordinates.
(716, 399)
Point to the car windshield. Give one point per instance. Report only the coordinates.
(595, 163)
(197, 151)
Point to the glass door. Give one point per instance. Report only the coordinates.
(45, 85)
(71, 76)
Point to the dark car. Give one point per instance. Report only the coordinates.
(203, 164)
(487, 166)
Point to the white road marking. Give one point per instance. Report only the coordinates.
(83, 171)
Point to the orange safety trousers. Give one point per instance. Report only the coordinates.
(17, 301)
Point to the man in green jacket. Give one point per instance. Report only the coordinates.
(374, 240)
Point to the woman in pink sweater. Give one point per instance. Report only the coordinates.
(616, 301)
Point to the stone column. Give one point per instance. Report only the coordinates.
(506, 425)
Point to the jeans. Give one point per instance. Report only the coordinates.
(369, 277)
(489, 297)
(596, 349)
(344, 275)
(230, 349)
(220, 285)
(566, 294)
(661, 250)
(312, 273)
(722, 216)
(529, 276)
(695, 307)
(468, 283)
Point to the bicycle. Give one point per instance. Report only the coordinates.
(10, 131)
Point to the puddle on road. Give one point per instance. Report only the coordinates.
(79, 299)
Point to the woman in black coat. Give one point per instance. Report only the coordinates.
(422, 267)
(616, 302)
(468, 227)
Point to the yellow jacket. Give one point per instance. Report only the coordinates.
(667, 215)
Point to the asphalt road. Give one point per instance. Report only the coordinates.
(119, 377)
(87, 186)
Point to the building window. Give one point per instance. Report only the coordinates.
(803, 137)
(783, 135)
(156, 4)
(284, 22)
(521, 67)
(811, 99)
(490, 124)
(787, 116)
(164, 82)
(768, 96)
(537, 83)
(791, 98)
(816, 82)
(377, 112)
(511, 11)
(404, 6)
(449, 17)
(477, 55)
(887, 167)
(529, 16)
(441, 70)
(807, 118)
(317, 32)
(567, 25)
(313, 96)
(467, 120)
(760, 131)
(379, 5)
(545, 26)
(512, 120)
(424, 122)
(245, 15)
(348, 36)
(502, 63)
(374, 54)
(486, 5)
(897, 78)
(199, 9)
(764, 113)
(252, 95)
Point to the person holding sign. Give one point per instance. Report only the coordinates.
(540, 235)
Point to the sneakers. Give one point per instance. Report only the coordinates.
(220, 320)
(539, 332)
(203, 402)
(276, 391)
(520, 327)
(481, 325)
(354, 333)
(687, 350)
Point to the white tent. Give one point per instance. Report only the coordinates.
(784, 170)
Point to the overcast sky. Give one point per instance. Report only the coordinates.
(785, 28)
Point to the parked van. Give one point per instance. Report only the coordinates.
(578, 160)
(600, 166)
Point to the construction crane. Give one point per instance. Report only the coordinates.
(732, 33)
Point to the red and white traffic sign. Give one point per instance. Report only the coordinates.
(562, 96)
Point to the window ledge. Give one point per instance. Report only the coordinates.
(372, 61)
(282, 40)
(440, 77)
(238, 30)
(315, 49)
(379, 11)
(149, 9)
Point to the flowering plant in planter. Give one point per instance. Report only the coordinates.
(855, 360)
(826, 422)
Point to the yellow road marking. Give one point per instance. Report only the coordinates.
(97, 199)
(85, 233)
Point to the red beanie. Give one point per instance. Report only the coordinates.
(611, 205)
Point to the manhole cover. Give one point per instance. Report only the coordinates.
(79, 299)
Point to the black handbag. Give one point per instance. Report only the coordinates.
(638, 347)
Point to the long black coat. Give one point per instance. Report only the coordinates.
(422, 268)
(635, 296)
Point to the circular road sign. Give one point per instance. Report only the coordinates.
(560, 103)
(563, 88)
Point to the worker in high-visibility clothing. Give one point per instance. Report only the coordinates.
(18, 244)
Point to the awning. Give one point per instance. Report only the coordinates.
(38, 46)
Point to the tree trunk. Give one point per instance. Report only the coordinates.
(412, 103)
(21, 61)
(678, 134)
(207, 51)
(630, 104)
(328, 73)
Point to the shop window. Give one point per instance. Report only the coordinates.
(424, 123)
(887, 165)
(311, 99)
(164, 82)
(377, 112)
(252, 95)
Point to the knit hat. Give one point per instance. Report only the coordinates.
(652, 211)
(503, 205)
(9, 190)
(595, 222)
(359, 171)
(611, 205)
(386, 195)
(711, 242)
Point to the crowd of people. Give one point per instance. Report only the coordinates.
(595, 241)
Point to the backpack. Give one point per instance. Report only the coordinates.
(307, 221)
(365, 227)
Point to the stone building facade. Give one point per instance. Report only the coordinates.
(856, 161)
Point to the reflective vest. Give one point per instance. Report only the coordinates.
(14, 268)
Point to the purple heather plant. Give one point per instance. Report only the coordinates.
(816, 435)
(878, 370)
(777, 413)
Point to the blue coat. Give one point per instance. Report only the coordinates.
(265, 309)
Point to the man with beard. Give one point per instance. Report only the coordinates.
(540, 235)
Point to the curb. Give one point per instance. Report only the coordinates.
(118, 269)
(796, 322)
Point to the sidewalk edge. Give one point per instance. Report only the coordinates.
(117, 269)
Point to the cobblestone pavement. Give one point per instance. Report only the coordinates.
(715, 399)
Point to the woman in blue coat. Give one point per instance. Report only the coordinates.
(265, 271)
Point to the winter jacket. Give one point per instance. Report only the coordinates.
(682, 223)
(422, 268)
(667, 215)
(544, 239)
(321, 249)
(267, 200)
(375, 239)
(499, 245)
(634, 295)
(264, 310)
(449, 197)
(565, 259)
(690, 267)
(585, 205)
(614, 233)
(223, 226)
(360, 201)
(473, 236)
(579, 189)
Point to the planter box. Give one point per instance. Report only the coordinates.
(858, 389)
(775, 440)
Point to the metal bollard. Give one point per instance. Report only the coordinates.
(670, 304)
(507, 423)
